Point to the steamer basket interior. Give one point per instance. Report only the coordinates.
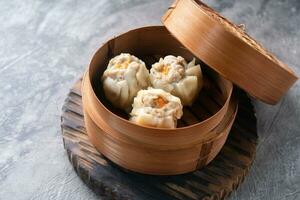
(149, 48)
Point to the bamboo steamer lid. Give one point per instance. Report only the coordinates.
(227, 49)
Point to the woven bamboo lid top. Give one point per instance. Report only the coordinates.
(229, 50)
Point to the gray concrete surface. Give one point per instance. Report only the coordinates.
(46, 45)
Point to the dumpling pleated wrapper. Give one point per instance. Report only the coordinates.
(124, 77)
(156, 108)
(175, 75)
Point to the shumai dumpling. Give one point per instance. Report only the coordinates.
(124, 77)
(175, 75)
(156, 108)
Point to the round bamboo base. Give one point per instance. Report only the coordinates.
(215, 181)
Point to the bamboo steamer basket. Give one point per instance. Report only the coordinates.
(159, 151)
(191, 29)
(228, 49)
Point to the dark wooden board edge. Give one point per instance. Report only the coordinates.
(215, 181)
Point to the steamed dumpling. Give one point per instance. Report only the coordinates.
(156, 108)
(124, 77)
(175, 75)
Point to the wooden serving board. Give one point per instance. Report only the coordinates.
(215, 181)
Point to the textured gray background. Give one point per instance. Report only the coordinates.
(46, 45)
